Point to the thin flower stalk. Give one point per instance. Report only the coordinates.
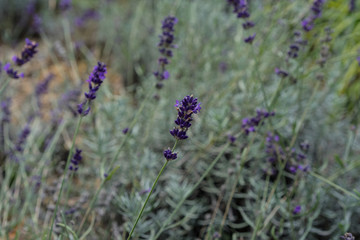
(95, 80)
(186, 109)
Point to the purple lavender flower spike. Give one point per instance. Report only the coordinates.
(165, 46)
(12, 73)
(316, 10)
(248, 25)
(65, 5)
(42, 87)
(95, 80)
(240, 8)
(352, 6)
(297, 209)
(125, 130)
(87, 15)
(186, 108)
(231, 138)
(249, 125)
(76, 159)
(19, 146)
(27, 53)
(169, 155)
(250, 39)
(347, 236)
(281, 73)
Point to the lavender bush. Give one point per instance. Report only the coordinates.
(90, 149)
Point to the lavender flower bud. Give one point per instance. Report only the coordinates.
(316, 8)
(169, 155)
(12, 73)
(125, 131)
(42, 87)
(65, 5)
(248, 24)
(6, 113)
(352, 6)
(347, 236)
(19, 146)
(28, 52)
(250, 39)
(186, 108)
(281, 73)
(74, 165)
(250, 124)
(297, 209)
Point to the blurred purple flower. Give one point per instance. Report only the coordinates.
(12, 73)
(125, 130)
(42, 87)
(240, 8)
(89, 14)
(76, 159)
(165, 48)
(248, 25)
(297, 209)
(352, 6)
(5, 118)
(250, 39)
(27, 53)
(347, 236)
(316, 10)
(95, 80)
(6, 113)
(281, 73)
(250, 124)
(19, 146)
(231, 138)
(65, 5)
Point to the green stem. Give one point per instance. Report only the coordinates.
(147, 199)
(132, 124)
(152, 189)
(64, 175)
(211, 166)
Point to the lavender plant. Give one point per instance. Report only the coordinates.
(289, 175)
(186, 108)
